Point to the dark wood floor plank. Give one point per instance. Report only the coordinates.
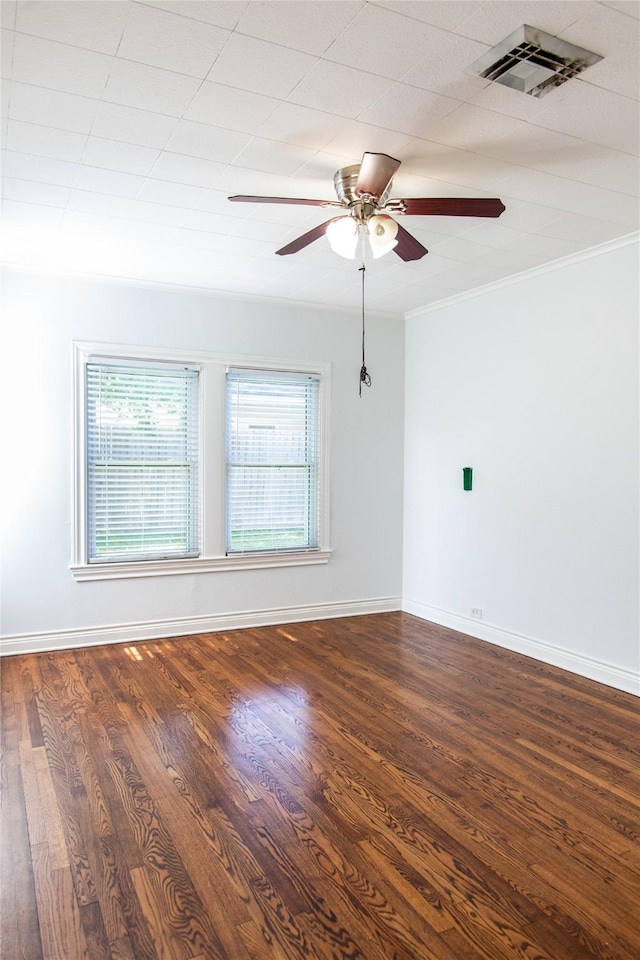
(58, 913)
(368, 788)
(20, 932)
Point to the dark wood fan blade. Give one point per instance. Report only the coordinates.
(309, 203)
(453, 207)
(375, 173)
(408, 248)
(306, 238)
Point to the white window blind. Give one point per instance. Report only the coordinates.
(142, 461)
(273, 449)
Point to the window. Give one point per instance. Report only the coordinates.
(154, 492)
(272, 461)
(142, 461)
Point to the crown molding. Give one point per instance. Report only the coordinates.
(582, 255)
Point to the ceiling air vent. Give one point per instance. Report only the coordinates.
(533, 62)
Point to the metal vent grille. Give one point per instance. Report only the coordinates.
(533, 62)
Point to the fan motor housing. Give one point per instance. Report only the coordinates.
(345, 181)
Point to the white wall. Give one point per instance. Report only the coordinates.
(43, 606)
(535, 386)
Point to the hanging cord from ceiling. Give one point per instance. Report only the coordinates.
(365, 376)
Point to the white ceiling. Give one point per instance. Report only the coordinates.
(126, 125)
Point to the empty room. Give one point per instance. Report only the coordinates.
(320, 622)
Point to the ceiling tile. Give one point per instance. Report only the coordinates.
(145, 87)
(262, 67)
(190, 170)
(217, 201)
(6, 54)
(404, 109)
(223, 106)
(51, 108)
(59, 66)
(591, 230)
(357, 137)
(440, 162)
(591, 201)
(208, 142)
(302, 126)
(273, 157)
(172, 194)
(492, 21)
(366, 42)
(470, 128)
(129, 124)
(440, 13)
(257, 230)
(455, 248)
(96, 26)
(623, 172)
(339, 89)
(550, 248)
(241, 180)
(157, 213)
(548, 150)
(606, 32)
(596, 115)
(5, 97)
(108, 181)
(162, 39)
(491, 234)
(45, 141)
(629, 7)
(524, 216)
(29, 191)
(444, 59)
(29, 167)
(83, 201)
(310, 26)
(113, 155)
(39, 216)
(210, 222)
(619, 75)
(220, 13)
(8, 14)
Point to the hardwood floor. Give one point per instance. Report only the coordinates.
(372, 787)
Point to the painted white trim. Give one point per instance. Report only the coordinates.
(589, 667)
(578, 257)
(159, 629)
(172, 568)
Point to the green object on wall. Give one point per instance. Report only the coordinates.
(467, 477)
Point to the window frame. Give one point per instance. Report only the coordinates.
(246, 375)
(212, 466)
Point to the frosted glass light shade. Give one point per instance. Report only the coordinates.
(382, 235)
(342, 235)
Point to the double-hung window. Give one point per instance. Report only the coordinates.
(187, 463)
(273, 459)
(142, 461)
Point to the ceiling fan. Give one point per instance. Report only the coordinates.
(363, 191)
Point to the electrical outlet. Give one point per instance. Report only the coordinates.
(476, 613)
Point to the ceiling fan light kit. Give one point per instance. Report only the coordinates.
(533, 62)
(364, 194)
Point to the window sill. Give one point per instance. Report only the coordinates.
(171, 568)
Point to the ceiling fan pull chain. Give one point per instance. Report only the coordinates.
(365, 376)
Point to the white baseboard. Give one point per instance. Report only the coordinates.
(589, 667)
(157, 629)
